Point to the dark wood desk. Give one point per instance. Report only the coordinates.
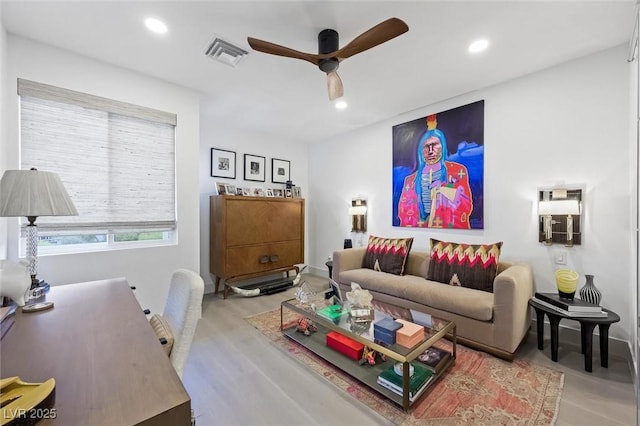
(108, 365)
(587, 325)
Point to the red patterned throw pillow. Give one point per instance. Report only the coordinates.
(465, 265)
(387, 254)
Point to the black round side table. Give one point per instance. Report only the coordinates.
(587, 325)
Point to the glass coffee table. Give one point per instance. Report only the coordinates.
(363, 332)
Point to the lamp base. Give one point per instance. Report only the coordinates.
(38, 291)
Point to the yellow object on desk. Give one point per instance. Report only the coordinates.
(21, 401)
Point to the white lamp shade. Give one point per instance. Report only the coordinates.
(558, 207)
(34, 193)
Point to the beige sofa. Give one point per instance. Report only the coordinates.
(493, 322)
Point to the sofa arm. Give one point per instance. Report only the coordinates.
(346, 260)
(512, 289)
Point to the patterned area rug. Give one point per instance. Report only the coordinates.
(479, 389)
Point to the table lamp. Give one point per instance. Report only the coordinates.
(33, 193)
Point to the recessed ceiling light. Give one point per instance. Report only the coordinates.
(156, 25)
(341, 104)
(478, 46)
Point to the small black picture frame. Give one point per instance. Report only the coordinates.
(223, 163)
(254, 166)
(280, 170)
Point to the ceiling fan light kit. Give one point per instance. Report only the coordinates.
(329, 54)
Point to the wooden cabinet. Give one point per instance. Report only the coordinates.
(254, 236)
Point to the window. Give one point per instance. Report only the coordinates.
(116, 160)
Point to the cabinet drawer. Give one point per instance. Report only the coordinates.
(263, 257)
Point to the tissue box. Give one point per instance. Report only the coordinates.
(345, 345)
(385, 330)
(410, 334)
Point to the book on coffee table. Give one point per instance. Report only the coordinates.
(575, 305)
(420, 378)
(434, 358)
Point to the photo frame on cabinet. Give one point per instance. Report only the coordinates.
(223, 163)
(296, 192)
(222, 188)
(280, 170)
(256, 191)
(254, 166)
(268, 192)
(230, 189)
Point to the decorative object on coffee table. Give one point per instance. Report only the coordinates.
(567, 282)
(589, 292)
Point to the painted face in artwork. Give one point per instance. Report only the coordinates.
(432, 150)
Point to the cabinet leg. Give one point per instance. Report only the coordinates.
(217, 285)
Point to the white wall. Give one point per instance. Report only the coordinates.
(564, 125)
(215, 133)
(148, 269)
(3, 127)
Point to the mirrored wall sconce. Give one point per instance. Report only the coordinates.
(559, 212)
(358, 212)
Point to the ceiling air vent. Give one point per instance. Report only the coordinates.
(225, 52)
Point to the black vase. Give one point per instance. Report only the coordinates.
(589, 292)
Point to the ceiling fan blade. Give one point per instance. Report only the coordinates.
(334, 85)
(384, 31)
(276, 49)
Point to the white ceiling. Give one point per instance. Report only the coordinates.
(287, 98)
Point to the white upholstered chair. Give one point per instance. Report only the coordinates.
(182, 310)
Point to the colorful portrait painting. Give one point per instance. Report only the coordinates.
(438, 170)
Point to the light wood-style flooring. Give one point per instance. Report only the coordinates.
(235, 376)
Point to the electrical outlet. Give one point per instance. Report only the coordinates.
(561, 257)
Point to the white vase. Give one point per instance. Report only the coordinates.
(14, 280)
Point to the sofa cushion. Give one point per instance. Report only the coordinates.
(466, 302)
(387, 254)
(465, 265)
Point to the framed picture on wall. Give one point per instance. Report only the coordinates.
(254, 167)
(223, 163)
(280, 170)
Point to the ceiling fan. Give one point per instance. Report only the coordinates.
(329, 55)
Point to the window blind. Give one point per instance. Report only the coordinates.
(116, 160)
